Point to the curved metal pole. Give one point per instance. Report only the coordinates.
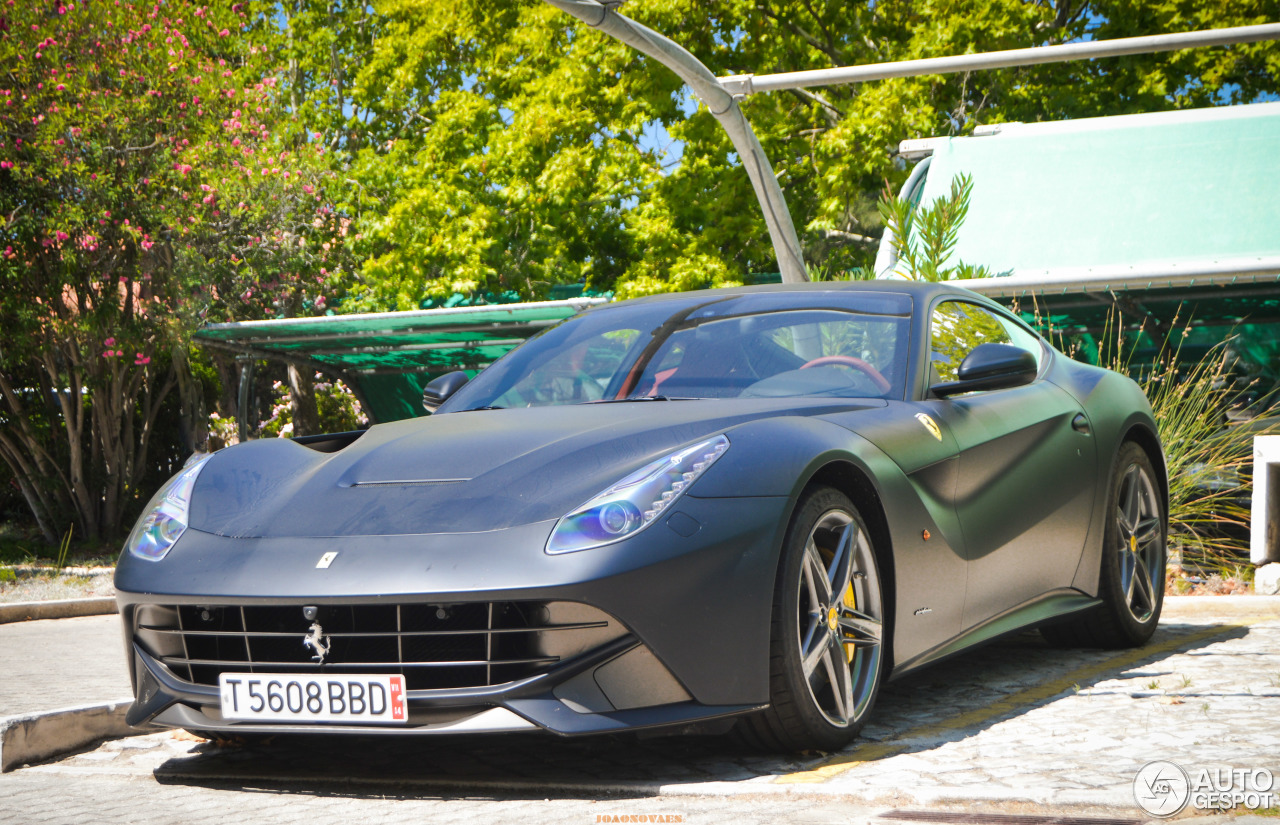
(723, 106)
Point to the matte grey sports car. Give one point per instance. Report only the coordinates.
(746, 505)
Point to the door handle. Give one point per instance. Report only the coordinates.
(1080, 424)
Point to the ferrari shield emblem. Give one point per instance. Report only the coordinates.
(930, 425)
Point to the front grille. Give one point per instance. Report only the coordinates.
(435, 646)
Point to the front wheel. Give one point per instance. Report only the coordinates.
(1131, 582)
(827, 631)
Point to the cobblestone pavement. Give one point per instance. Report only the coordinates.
(1014, 727)
(58, 663)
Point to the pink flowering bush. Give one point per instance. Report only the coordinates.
(337, 405)
(143, 152)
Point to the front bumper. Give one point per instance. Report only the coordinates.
(688, 611)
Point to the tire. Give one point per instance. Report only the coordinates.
(826, 654)
(1131, 583)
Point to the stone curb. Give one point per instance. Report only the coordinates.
(34, 737)
(57, 609)
(27, 570)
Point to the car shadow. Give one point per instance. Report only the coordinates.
(946, 702)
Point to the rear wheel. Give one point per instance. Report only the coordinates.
(1131, 583)
(827, 631)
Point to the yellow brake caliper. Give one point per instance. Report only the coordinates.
(850, 601)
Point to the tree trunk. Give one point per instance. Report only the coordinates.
(193, 424)
(302, 401)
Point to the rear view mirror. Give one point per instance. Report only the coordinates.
(991, 367)
(439, 389)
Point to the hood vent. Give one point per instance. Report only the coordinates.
(407, 482)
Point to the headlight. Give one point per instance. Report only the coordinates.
(165, 518)
(634, 502)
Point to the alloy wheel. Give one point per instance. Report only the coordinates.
(841, 618)
(1140, 552)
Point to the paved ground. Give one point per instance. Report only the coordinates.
(1015, 728)
(58, 663)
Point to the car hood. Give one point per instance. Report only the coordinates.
(465, 472)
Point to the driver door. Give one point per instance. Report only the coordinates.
(1025, 477)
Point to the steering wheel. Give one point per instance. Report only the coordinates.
(857, 363)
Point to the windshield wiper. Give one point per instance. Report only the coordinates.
(644, 398)
(477, 409)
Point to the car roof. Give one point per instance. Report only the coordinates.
(922, 291)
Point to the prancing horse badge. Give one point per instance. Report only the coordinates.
(930, 425)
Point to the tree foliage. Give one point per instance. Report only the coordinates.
(147, 181)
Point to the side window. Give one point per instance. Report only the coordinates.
(958, 327)
(1020, 337)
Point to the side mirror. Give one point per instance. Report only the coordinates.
(439, 389)
(990, 367)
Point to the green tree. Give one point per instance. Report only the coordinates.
(149, 179)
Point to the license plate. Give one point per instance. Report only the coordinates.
(289, 697)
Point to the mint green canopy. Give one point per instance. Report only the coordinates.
(1156, 195)
(1172, 216)
(388, 357)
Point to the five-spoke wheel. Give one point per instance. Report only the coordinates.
(1131, 579)
(828, 628)
(1139, 532)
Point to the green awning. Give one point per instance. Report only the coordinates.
(1128, 202)
(386, 358)
(1168, 219)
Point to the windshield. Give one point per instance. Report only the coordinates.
(758, 345)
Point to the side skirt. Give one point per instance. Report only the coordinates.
(1055, 605)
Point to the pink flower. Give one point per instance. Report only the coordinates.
(223, 33)
(119, 352)
(147, 244)
(142, 361)
(319, 302)
(111, 342)
(60, 235)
